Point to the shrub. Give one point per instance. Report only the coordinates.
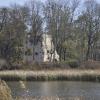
(3, 64)
(73, 63)
(28, 52)
(91, 64)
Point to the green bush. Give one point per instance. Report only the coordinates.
(73, 63)
(28, 52)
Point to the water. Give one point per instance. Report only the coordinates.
(86, 90)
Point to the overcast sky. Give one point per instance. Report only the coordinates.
(21, 2)
(8, 2)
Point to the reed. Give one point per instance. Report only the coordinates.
(48, 75)
(5, 92)
(49, 98)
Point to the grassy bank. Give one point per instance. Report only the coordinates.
(5, 92)
(50, 98)
(69, 75)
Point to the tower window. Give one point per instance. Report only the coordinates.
(47, 51)
(36, 53)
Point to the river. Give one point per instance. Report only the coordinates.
(86, 90)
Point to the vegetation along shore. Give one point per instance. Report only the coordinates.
(5, 92)
(47, 75)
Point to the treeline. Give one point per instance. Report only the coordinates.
(73, 25)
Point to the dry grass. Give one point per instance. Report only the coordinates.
(49, 98)
(5, 92)
(48, 75)
(90, 64)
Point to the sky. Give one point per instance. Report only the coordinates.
(21, 2)
(9, 2)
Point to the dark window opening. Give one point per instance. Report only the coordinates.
(47, 51)
(36, 53)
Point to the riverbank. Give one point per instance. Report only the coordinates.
(49, 98)
(47, 75)
(5, 92)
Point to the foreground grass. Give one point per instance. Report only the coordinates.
(49, 98)
(5, 92)
(70, 75)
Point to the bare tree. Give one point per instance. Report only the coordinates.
(3, 17)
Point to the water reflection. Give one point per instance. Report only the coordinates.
(62, 89)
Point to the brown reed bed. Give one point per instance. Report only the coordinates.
(48, 75)
(50, 98)
(5, 92)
